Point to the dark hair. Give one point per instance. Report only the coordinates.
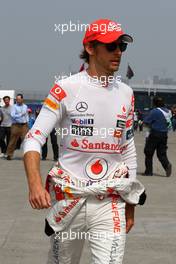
(84, 55)
(21, 95)
(158, 101)
(6, 96)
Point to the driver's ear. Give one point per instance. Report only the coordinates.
(89, 48)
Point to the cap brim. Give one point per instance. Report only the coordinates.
(126, 38)
(112, 36)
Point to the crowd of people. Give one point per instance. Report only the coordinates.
(15, 122)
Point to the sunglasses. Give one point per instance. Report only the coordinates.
(113, 46)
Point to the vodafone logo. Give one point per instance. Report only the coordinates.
(123, 109)
(57, 92)
(96, 169)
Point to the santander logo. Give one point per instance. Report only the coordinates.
(85, 144)
(74, 143)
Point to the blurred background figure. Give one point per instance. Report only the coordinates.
(55, 147)
(159, 122)
(174, 117)
(135, 121)
(54, 143)
(6, 122)
(31, 120)
(19, 126)
(140, 121)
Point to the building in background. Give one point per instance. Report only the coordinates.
(143, 91)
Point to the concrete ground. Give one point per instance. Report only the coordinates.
(152, 240)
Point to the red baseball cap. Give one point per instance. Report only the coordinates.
(106, 31)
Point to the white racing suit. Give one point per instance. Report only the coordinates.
(89, 210)
(86, 110)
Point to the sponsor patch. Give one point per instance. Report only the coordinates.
(87, 145)
(115, 214)
(121, 116)
(129, 134)
(60, 215)
(118, 133)
(82, 130)
(57, 92)
(129, 123)
(50, 103)
(75, 143)
(81, 106)
(82, 121)
(124, 110)
(120, 123)
(38, 132)
(96, 169)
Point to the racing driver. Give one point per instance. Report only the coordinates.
(93, 189)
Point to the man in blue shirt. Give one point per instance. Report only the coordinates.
(19, 126)
(159, 122)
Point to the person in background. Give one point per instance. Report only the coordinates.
(174, 117)
(135, 121)
(140, 121)
(19, 126)
(6, 122)
(159, 122)
(54, 144)
(31, 118)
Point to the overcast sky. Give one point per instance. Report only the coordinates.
(32, 52)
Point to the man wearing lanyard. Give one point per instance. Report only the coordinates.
(19, 126)
(83, 104)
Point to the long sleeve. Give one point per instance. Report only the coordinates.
(129, 153)
(50, 114)
(19, 113)
(15, 114)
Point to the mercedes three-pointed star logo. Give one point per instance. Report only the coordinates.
(81, 106)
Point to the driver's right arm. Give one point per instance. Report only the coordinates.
(50, 114)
